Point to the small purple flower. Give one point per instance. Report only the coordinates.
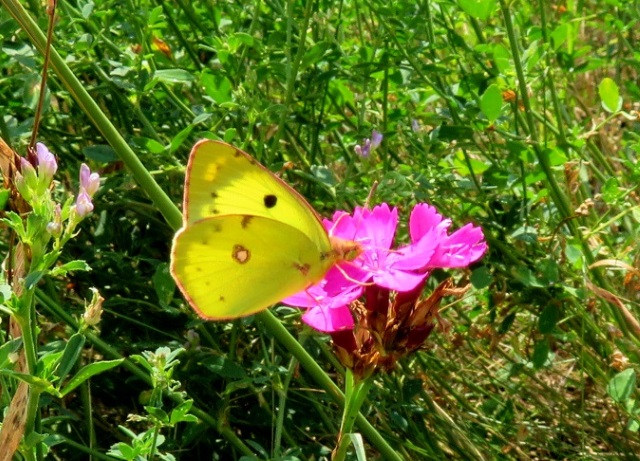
(84, 206)
(89, 184)
(376, 139)
(368, 144)
(89, 181)
(47, 165)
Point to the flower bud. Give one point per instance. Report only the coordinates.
(55, 227)
(88, 180)
(93, 311)
(84, 206)
(21, 184)
(376, 139)
(47, 165)
(29, 173)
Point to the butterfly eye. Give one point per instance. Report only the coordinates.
(270, 200)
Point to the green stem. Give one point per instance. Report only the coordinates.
(275, 327)
(355, 394)
(26, 320)
(559, 197)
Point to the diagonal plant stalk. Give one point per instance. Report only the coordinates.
(174, 219)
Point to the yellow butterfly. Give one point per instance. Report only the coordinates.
(248, 240)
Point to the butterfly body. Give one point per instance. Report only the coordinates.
(248, 239)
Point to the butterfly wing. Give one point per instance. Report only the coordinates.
(236, 265)
(223, 180)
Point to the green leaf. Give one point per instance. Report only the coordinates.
(163, 283)
(72, 351)
(89, 371)
(481, 277)
(100, 153)
(622, 385)
(154, 146)
(480, 9)
(358, 445)
(314, 54)
(224, 367)
(548, 319)
(173, 76)
(180, 413)
(610, 95)
(217, 86)
(71, 266)
(491, 103)
(540, 357)
(467, 166)
(33, 278)
(123, 451)
(178, 139)
(527, 234)
(42, 385)
(7, 348)
(157, 413)
(559, 36)
(611, 190)
(4, 198)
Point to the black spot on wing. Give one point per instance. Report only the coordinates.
(270, 200)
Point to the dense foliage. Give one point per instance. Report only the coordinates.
(520, 117)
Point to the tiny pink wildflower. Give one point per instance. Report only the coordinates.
(47, 165)
(88, 180)
(369, 145)
(84, 206)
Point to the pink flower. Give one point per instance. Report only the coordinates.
(88, 180)
(465, 246)
(47, 165)
(89, 184)
(375, 230)
(401, 270)
(398, 270)
(84, 206)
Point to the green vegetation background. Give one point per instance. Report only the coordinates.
(518, 116)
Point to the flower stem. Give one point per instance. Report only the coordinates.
(354, 394)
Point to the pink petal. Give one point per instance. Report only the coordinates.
(333, 290)
(463, 247)
(329, 320)
(424, 218)
(398, 280)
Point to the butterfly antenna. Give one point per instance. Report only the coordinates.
(51, 11)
